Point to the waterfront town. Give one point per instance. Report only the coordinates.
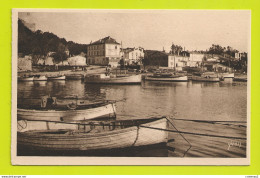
(75, 98)
(110, 52)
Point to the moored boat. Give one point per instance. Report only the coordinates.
(206, 77)
(226, 75)
(74, 76)
(240, 79)
(98, 135)
(51, 111)
(113, 79)
(59, 77)
(26, 78)
(167, 77)
(40, 78)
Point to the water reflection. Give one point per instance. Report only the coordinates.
(40, 83)
(223, 100)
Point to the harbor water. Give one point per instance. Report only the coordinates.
(181, 101)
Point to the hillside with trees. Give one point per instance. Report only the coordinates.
(39, 44)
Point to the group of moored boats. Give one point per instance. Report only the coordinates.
(31, 78)
(134, 79)
(201, 77)
(80, 126)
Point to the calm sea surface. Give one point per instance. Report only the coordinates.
(224, 101)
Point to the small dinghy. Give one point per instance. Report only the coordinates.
(59, 77)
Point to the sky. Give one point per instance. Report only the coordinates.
(150, 29)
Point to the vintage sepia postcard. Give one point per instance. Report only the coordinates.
(130, 87)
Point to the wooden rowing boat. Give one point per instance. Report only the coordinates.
(110, 79)
(170, 78)
(60, 77)
(26, 79)
(67, 113)
(98, 135)
(206, 77)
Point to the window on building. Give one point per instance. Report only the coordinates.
(115, 47)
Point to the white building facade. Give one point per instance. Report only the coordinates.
(177, 62)
(104, 52)
(192, 59)
(195, 59)
(133, 55)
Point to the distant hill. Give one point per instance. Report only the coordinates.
(41, 43)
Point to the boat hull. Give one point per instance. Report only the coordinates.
(57, 78)
(227, 75)
(134, 79)
(132, 136)
(26, 79)
(170, 79)
(74, 77)
(204, 79)
(66, 115)
(41, 78)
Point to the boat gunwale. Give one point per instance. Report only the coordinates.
(89, 106)
(31, 133)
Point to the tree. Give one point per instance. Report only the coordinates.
(176, 49)
(216, 49)
(60, 55)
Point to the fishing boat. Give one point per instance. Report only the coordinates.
(26, 78)
(39, 78)
(240, 79)
(58, 77)
(74, 76)
(205, 77)
(167, 77)
(97, 135)
(113, 79)
(49, 110)
(226, 75)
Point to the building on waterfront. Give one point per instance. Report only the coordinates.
(239, 55)
(185, 59)
(217, 67)
(177, 62)
(133, 55)
(155, 58)
(77, 60)
(24, 63)
(104, 52)
(195, 59)
(48, 60)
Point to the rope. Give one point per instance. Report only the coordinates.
(208, 121)
(137, 136)
(181, 136)
(113, 109)
(192, 133)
